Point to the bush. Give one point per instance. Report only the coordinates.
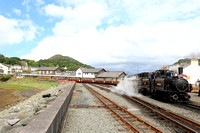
(5, 77)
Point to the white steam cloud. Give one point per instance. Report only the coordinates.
(127, 87)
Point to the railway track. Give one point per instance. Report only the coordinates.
(191, 106)
(182, 122)
(133, 122)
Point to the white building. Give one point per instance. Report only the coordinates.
(17, 68)
(192, 71)
(88, 73)
(5, 69)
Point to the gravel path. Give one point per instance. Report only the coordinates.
(87, 115)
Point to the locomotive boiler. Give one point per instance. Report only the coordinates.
(165, 85)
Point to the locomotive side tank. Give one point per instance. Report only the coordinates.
(165, 85)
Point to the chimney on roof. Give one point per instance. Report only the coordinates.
(180, 70)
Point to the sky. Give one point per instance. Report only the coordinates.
(119, 35)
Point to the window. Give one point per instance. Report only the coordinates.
(79, 73)
(1, 71)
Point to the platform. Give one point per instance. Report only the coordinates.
(195, 98)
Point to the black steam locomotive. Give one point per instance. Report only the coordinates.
(165, 85)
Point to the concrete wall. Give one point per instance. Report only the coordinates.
(50, 119)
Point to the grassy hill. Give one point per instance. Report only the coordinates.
(56, 60)
(63, 61)
(184, 61)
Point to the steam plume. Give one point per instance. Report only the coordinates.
(127, 87)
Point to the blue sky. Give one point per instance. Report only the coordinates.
(118, 35)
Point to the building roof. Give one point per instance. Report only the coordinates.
(96, 70)
(47, 68)
(110, 74)
(5, 65)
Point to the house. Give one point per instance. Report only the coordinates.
(88, 73)
(33, 69)
(49, 70)
(5, 69)
(192, 71)
(17, 68)
(111, 75)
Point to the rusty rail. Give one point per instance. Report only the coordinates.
(115, 108)
(192, 106)
(102, 88)
(166, 114)
(160, 111)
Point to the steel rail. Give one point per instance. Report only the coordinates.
(193, 106)
(149, 126)
(197, 125)
(190, 122)
(186, 120)
(102, 88)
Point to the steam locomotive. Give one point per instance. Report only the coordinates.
(164, 84)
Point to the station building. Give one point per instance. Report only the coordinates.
(88, 73)
(192, 71)
(49, 70)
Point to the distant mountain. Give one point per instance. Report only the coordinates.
(57, 60)
(58, 56)
(64, 61)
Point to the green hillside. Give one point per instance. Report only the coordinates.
(63, 61)
(185, 61)
(56, 60)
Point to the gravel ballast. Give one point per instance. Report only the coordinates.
(92, 117)
(141, 112)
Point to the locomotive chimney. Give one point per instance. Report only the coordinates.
(180, 70)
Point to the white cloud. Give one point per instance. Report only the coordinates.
(16, 31)
(126, 33)
(17, 11)
(37, 3)
(124, 43)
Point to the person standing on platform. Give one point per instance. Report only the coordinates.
(198, 84)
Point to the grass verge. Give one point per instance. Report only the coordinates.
(24, 84)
